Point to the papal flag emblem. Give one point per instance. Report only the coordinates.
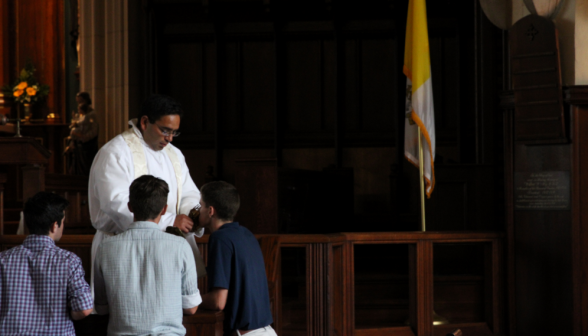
(419, 92)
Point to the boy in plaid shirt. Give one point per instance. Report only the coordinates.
(42, 287)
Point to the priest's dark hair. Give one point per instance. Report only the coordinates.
(157, 106)
(42, 210)
(223, 197)
(147, 197)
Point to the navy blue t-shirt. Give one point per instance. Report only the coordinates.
(235, 262)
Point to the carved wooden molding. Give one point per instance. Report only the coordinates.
(536, 82)
(507, 101)
(576, 95)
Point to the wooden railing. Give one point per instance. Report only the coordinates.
(329, 284)
(421, 282)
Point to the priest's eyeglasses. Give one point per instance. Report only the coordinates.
(167, 132)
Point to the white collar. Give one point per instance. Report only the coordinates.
(133, 124)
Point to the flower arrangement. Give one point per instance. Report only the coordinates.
(26, 89)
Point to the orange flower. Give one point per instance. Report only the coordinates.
(17, 93)
(31, 91)
(22, 85)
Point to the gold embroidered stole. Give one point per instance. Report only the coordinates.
(140, 162)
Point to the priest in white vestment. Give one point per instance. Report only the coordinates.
(143, 149)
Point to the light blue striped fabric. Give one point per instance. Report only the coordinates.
(143, 279)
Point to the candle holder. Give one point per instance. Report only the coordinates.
(17, 122)
(27, 113)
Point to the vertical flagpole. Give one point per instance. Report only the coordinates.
(421, 177)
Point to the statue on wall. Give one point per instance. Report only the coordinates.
(83, 138)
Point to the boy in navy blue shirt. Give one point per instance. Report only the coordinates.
(236, 272)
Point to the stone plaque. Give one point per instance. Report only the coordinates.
(549, 190)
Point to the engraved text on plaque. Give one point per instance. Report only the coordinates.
(549, 190)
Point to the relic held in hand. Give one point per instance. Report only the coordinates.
(194, 214)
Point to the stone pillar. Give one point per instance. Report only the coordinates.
(104, 62)
(581, 43)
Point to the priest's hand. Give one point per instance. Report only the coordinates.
(183, 223)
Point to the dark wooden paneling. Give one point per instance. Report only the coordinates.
(75, 190)
(463, 199)
(23, 150)
(546, 249)
(257, 181)
(578, 98)
(52, 137)
(34, 30)
(307, 75)
(461, 272)
(309, 90)
(543, 250)
(381, 296)
(193, 62)
(270, 248)
(507, 103)
(278, 200)
(315, 201)
(250, 90)
(371, 93)
(6, 72)
(536, 81)
(447, 91)
(40, 37)
(28, 152)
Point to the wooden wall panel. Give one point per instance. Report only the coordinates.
(464, 199)
(187, 61)
(6, 71)
(75, 190)
(371, 92)
(193, 63)
(546, 246)
(40, 37)
(372, 56)
(35, 30)
(543, 250)
(306, 85)
(378, 74)
(250, 89)
(352, 97)
(300, 79)
(445, 70)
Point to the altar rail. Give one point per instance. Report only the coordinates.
(330, 283)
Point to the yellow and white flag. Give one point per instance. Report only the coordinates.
(419, 92)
